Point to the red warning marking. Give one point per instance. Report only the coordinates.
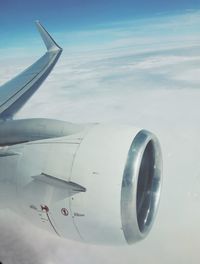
(64, 211)
(44, 208)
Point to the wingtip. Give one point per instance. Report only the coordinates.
(49, 42)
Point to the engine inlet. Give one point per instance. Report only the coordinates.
(141, 186)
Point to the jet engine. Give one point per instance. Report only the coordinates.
(100, 185)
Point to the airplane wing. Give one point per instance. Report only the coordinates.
(16, 92)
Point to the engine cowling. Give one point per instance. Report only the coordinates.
(101, 185)
(121, 169)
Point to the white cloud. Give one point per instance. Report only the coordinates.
(189, 76)
(149, 80)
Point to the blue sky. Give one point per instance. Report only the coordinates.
(16, 17)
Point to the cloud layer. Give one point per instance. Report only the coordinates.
(144, 73)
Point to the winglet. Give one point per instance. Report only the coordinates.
(49, 42)
(15, 93)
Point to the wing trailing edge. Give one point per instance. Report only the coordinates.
(16, 92)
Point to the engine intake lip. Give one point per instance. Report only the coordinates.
(141, 186)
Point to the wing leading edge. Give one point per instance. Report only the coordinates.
(16, 92)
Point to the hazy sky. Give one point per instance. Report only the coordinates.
(16, 17)
(134, 62)
(70, 14)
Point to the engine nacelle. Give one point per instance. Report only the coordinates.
(98, 186)
(121, 170)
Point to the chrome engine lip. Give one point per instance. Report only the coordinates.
(129, 217)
